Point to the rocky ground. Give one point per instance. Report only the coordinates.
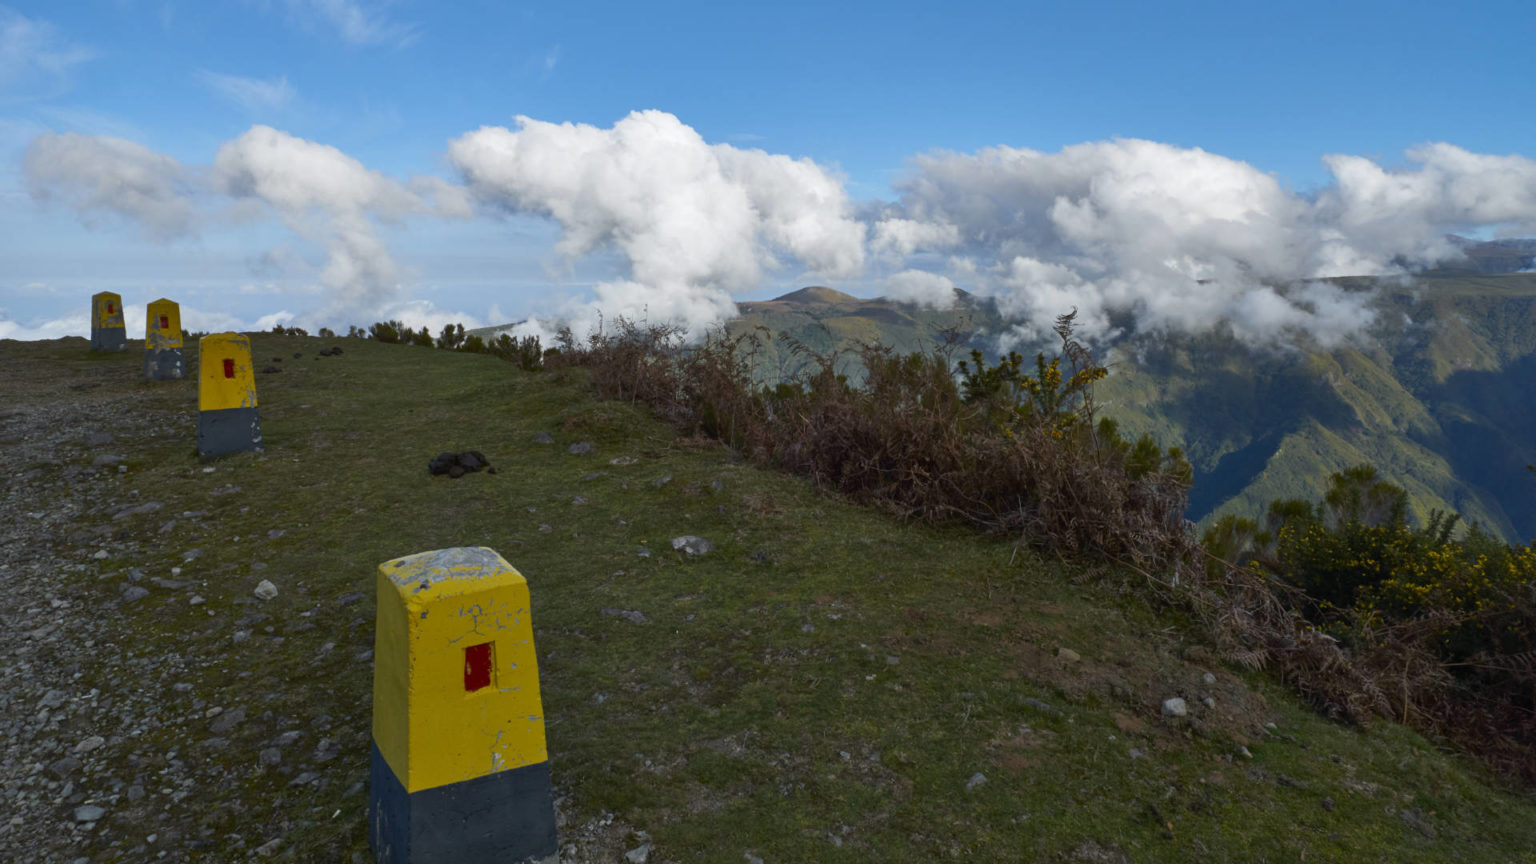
(113, 751)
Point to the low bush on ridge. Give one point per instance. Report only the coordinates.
(1451, 621)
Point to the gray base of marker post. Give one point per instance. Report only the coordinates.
(228, 430)
(109, 339)
(164, 364)
(503, 818)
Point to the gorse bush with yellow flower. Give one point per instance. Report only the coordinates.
(1382, 586)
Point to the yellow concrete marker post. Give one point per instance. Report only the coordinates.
(460, 770)
(227, 420)
(163, 359)
(108, 332)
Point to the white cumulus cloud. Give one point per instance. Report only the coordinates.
(98, 173)
(922, 288)
(693, 221)
(325, 196)
(1148, 236)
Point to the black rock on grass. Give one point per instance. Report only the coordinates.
(456, 465)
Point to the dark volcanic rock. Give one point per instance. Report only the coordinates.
(456, 465)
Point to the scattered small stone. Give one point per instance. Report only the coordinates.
(227, 721)
(751, 859)
(1175, 707)
(192, 554)
(662, 481)
(638, 855)
(1208, 702)
(578, 449)
(977, 779)
(142, 509)
(1068, 655)
(135, 793)
(306, 777)
(1328, 804)
(1415, 819)
(1043, 707)
(275, 533)
(134, 593)
(98, 439)
(543, 438)
(269, 848)
(621, 461)
(692, 545)
(629, 615)
(90, 744)
(101, 555)
(270, 756)
(52, 699)
(63, 768)
(349, 598)
(265, 590)
(89, 813)
(105, 460)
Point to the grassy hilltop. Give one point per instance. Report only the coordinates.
(827, 684)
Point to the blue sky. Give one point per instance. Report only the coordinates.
(862, 91)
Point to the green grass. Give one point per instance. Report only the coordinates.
(820, 687)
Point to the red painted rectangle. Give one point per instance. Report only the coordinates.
(229, 368)
(477, 667)
(111, 309)
(165, 322)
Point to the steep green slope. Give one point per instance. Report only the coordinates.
(1438, 394)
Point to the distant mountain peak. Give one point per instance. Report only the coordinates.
(816, 294)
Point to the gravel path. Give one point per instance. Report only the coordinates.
(61, 771)
(111, 753)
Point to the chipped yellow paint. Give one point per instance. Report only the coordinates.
(107, 311)
(224, 385)
(162, 325)
(431, 607)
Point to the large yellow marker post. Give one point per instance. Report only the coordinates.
(163, 360)
(108, 332)
(460, 771)
(227, 421)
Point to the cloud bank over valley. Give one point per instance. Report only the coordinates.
(1139, 236)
